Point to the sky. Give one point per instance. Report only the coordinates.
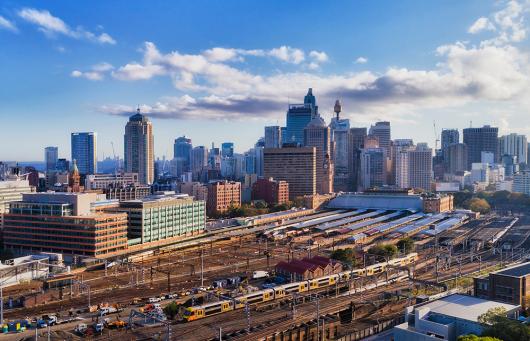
(219, 71)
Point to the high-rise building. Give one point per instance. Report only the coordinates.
(227, 149)
(298, 116)
(51, 155)
(273, 137)
(63, 165)
(382, 131)
(521, 182)
(182, 155)
(420, 167)
(515, 145)
(456, 158)
(479, 140)
(449, 137)
(199, 161)
(84, 151)
(296, 166)
(340, 133)
(12, 190)
(372, 168)
(398, 164)
(317, 134)
(222, 195)
(139, 148)
(356, 144)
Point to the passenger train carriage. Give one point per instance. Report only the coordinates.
(209, 309)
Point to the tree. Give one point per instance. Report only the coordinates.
(478, 205)
(346, 256)
(171, 310)
(505, 329)
(492, 315)
(473, 337)
(406, 245)
(384, 250)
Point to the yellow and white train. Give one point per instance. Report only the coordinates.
(278, 292)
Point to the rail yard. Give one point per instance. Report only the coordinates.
(213, 283)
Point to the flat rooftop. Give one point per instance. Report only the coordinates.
(515, 271)
(464, 307)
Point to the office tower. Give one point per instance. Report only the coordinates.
(273, 137)
(199, 161)
(182, 155)
(84, 151)
(515, 145)
(51, 155)
(214, 158)
(223, 195)
(139, 148)
(397, 146)
(456, 158)
(12, 190)
(340, 133)
(371, 141)
(250, 162)
(298, 117)
(356, 138)
(227, 149)
(521, 182)
(510, 164)
(479, 140)
(317, 134)
(372, 168)
(449, 137)
(487, 157)
(295, 165)
(273, 192)
(63, 165)
(420, 167)
(382, 131)
(158, 217)
(32, 225)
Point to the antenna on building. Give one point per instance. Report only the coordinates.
(436, 139)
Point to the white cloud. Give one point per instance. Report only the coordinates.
(7, 25)
(319, 56)
(481, 24)
(52, 26)
(361, 60)
(288, 54)
(96, 73)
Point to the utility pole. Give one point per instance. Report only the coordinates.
(202, 268)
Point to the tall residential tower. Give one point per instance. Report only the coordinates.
(139, 148)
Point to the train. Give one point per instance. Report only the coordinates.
(281, 291)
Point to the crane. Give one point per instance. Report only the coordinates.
(436, 139)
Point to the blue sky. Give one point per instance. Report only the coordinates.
(221, 70)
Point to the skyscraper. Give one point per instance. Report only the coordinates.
(479, 140)
(356, 138)
(449, 137)
(199, 160)
(298, 116)
(372, 168)
(51, 155)
(297, 166)
(273, 137)
(227, 149)
(317, 134)
(420, 167)
(139, 148)
(182, 154)
(456, 158)
(382, 131)
(84, 151)
(340, 133)
(514, 145)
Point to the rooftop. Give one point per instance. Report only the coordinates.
(516, 271)
(464, 307)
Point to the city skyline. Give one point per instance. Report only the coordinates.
(95, 73)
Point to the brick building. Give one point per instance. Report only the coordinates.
(271, 191)
(510, 285)
(222, 195)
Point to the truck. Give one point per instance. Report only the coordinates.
(108, 310)
(260, 274)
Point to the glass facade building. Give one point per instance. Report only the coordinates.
(84, 151)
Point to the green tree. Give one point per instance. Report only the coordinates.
(478, 205)
(346, 256)
(406, 245)
(490, 316)
(473, 337)
(505, 329)
(171, 310)
(384, 250)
